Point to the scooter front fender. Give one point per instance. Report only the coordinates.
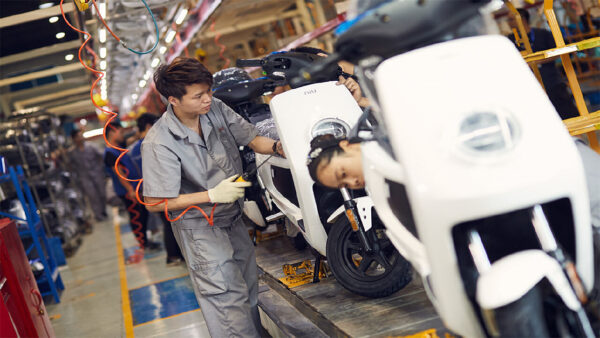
(364, 206)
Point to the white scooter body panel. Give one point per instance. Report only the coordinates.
(296, 112)
(425, 96)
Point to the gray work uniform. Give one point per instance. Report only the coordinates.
(221, 258)
(89, 166)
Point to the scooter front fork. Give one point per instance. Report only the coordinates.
(355, 221)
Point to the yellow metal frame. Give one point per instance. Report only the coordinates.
(586, 123)
(294, 276)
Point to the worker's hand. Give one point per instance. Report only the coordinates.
(279, 149)
(352, 86)
(228, 191)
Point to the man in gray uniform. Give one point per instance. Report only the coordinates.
(191, 159)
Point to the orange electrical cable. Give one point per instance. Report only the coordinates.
(100, 76)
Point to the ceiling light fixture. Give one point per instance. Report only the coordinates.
(134, 96)
(147, 75)
(60, 35)
(102, 8)
(162, 49)
(53, 19)
(155, 62)
(102, 35)
(103, 64)
(170, 36)
(103, 52)
(69, 57)
(46, 5)
(181, 16)
(93, 132)
(142, 83)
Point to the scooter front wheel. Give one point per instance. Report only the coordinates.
(377, 274)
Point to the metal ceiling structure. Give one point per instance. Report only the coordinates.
(37, 69)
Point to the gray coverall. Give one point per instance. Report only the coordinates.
(220, 259)
(89, 166)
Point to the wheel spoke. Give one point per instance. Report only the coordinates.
(381, 259)
(353, 246)
(365, 263)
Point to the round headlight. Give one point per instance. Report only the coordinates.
(487, 132)
(335, 127)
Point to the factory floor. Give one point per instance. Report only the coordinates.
(106, 297)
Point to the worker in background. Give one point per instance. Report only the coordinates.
(144, 123)
(125, 189)
(87, 163)
(191, 159)
(542, 39)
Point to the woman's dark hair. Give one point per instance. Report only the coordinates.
(322, 149)
(113, 126)
(74, 133)
(171, 80)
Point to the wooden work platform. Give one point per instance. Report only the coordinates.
(340, 313)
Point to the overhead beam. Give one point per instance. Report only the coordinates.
(35, 15)
(49, 97)
(35, 53)
(83, 106)
(43, 73)
(249, 24)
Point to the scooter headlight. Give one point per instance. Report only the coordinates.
(484, 133)
(335, 127)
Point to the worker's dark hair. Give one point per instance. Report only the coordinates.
(308, 50)
(113, 126)
(74, 132)
(145, 120)
(171, 79)
(322, 149)
(524, 14)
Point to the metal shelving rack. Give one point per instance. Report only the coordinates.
(49, 281)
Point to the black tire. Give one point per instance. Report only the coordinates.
(299, 242)
(356, 271)
(524, 317)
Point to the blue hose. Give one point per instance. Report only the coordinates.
(157, 34)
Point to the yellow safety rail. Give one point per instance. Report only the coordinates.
(586, 123)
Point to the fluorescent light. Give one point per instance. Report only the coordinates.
(93, 132)
(162, 49)
(60, 35)
(147, 75)
(142, 83)
(103, 52)
(53, 19)
(155, 62)
(134, 96)
(69, 57)
(102, 35)
(103, 64)
(170, 36)
(46, 5)
(83, 122)
(102, 8)
(181, 16)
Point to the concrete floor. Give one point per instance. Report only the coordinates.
(92, 303)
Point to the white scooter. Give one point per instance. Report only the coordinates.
(361, 258)
(475, 177)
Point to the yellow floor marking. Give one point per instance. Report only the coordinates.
(56, 316)
(159, 319)
(125, 305)
(159, 281)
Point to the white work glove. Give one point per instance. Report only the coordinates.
(228, 191)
